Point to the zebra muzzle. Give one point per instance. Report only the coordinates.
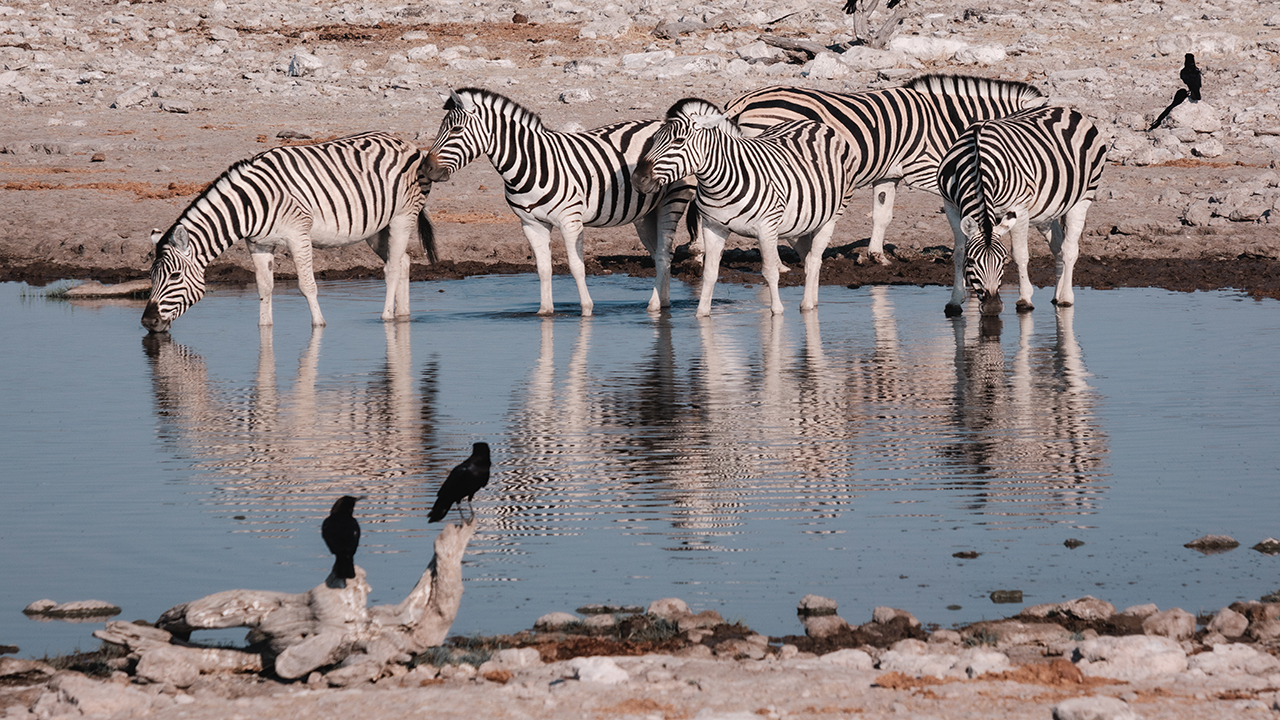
(152, 321)
(643, 178)
(435, 172)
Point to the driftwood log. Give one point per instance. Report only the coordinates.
(323, 627)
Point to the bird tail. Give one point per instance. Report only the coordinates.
(439, 510)
(344, 567)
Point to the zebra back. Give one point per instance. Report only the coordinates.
(1043, 161)
(893, 130)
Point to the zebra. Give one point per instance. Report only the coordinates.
(361, 187)
(791, 182)
(899, 134)
(1037, 166)
(565, 180)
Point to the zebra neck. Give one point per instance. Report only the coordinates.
(512, 145)
(721, 170)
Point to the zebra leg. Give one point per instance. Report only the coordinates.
(391, 244)
(264, 273)
(1068, 251)
(767, 236)
(813, 264)
(959, 293)
(571, 231)
(1021, 256)
(659, 247)
(882, 193)
(712, 236)
(539, 236)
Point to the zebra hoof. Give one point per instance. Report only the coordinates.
(953, 310)
(881, 258)
(1025, 307)
(1062, 303)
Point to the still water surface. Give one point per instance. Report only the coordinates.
(738, 462)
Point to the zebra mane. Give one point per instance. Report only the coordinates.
(208, 190)
(692, 108)
(1027, 96)
(500, 104)
(979, 189)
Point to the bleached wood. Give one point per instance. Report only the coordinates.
(325, 626)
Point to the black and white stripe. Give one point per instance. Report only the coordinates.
(566, 180)
(790, 182)
(362, 187)
(1034, 167)
(898, 134)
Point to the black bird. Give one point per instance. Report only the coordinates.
(464, 481)
(1191, 76)
(1178, 97)
(341, 534)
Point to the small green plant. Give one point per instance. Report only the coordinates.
(94, 663)
(442, 655)
(1077, 637)
(982, 638)
(658, 630)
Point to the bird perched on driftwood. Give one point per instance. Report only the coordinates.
(1191, 77)
(341, 534)
(464, 481)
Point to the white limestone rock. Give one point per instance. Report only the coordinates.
(985, 55)
(927, 49)
(555, 621)
(668, 608)
(1173, 623)
(1201, 117)
(1097, 707)
(1230, 658)
(1228, 623)
(304, 63)
(1130, 657)
(851, 658)
(598, 669)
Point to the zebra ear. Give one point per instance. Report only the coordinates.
(467, 104)
(156, 234)
(706, 122)
(179, 239)
(969, 226)
(1007, 222)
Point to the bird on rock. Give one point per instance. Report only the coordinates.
(341, 534)
(1190, 75)
(1178, 97)
(464, 481)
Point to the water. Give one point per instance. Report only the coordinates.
(738, 462)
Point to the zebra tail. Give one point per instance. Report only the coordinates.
(427, 234)
(691, 219)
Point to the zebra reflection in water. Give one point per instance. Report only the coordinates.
(281, 454)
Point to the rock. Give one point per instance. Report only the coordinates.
(1073, 543)
(223, 33)
(72, 610)
(1130, 657)
(1006, 596)
(1200, 43)
(356, 673)
(602, 609)
(672, 30)
(178, 106)
(739, 648)
(1141, 611)
(981, 55)
(1098, 707)
(96, 698)
(1228, 623)
(1087, 608)
(132, 96)
(598, 669)
(1230, 658)
(27, 670)
(824, 626)
(517, 657)
(816, 605)
(704, 619)
(422, 52)
(865, 59)
(1210, 148)
(461, 671)
(167, 664)
(1201, 117)
(1270, 546)
(1210, 544)
(1173, 623)
(575, 96)
(555, 621)
(1264, 630)
(883, 615)
(303, 64)
(668, 608)
(601, 622)
(945, 637)
(826, 66)
(758, 50)
(851, 658)
(93, 289)
(927, 49)
(1008, 633)
(913, 658)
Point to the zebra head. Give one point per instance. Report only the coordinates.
(460, 139)
(984, 259)
(678, 149)
(177, 279)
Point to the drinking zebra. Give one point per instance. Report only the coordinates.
(566, 180)
(898, 134)
(1037, 166)
(790, 182)
(362, 187)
